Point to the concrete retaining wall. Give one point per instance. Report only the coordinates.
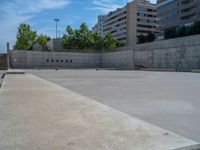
(35, 59)
(119, 60)
(181, 54)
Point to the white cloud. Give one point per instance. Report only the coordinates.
(14, 12)
(105, 5)
(35, 6)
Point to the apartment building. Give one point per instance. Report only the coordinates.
(127, 23)
(172, 13)
(99, 26)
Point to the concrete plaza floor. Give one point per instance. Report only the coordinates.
(39, 115)
(167, 99)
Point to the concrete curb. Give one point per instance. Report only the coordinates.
(196, 70)
(15, 71)
(159, 70)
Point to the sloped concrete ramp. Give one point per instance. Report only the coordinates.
(38, 115)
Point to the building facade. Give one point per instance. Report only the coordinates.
(99, 26)
(127, 23)
(172, 13)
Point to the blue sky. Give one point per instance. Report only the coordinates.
(40, 14)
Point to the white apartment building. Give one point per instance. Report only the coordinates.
(127, 23)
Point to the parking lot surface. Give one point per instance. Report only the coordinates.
(167, 99)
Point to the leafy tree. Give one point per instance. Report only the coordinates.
(120, 44)
(195, 28)
(26, 37)
(148, 38)
(141, 39)
(110, 41)
(77, 39)
(68, 40)
(98, 42)
(170, 33)
(182, 31)
(42, 40)
(84, 39)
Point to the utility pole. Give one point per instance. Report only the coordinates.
(56, 20)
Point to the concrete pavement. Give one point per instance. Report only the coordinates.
(38, 115)
(170, 100)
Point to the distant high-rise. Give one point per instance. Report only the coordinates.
(127, 23)
(172, 13)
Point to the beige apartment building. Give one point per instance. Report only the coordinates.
(127, 23)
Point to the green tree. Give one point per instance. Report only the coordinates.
(68, 40)
(110, 41)
(98, 42)
(195, 28)
(182, 31)
(26, 37)
(84, 39)
(170, 33)
(141, 39)
(146, 38)
(120, 44)
(150, 37)
(42, 40)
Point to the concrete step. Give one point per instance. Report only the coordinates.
(15, 71)
(196, 70)
(37, 114)
(163, 70)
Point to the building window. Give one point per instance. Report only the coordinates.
(47, 60)
(150, 10)
(52, 60)
(70, 61)
(57, 60)
(142, 9)
(66, 61)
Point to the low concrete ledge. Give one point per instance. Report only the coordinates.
(163, 70)
(37, 114)
(15, 71)
(106, 68)
(196, 70)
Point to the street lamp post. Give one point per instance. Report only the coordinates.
(56, 20)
